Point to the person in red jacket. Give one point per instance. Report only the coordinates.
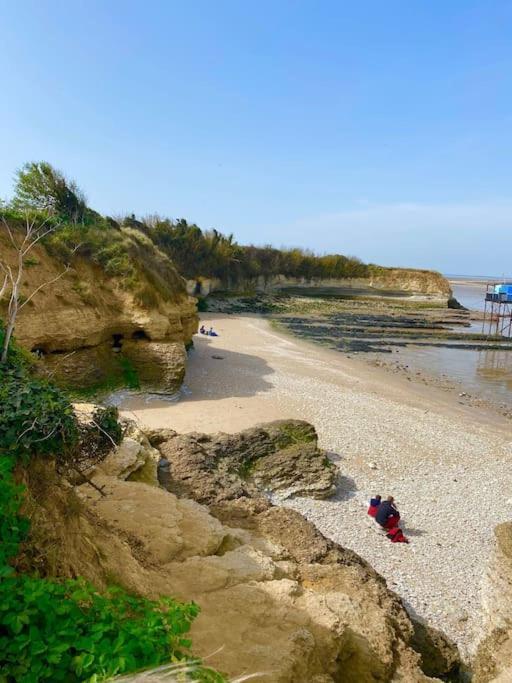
(374, 506)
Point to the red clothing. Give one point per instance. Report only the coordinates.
(396, 535)
(372, 510)
(391, 522)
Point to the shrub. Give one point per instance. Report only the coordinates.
(35, 416)
(67, 631)
(107, 421)
(13, 527)
(202, 304)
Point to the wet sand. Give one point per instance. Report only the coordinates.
(447, 464)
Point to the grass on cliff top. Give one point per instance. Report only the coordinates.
(123, 253)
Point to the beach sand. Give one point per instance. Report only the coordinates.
(447, 464)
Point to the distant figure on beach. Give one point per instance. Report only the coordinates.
(374, 505)
(211, 332)
(387, 514)
(163, 473)
(202, 329)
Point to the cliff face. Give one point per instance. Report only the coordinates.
(493, 661)
(391, 281)
(88, 328)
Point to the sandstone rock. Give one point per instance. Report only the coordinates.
(440, 656)
(123, 460)
(494, 654)
(266, 606)
(133, 459)
(296, 470)
(166, 528)
(88, 325)
(217, 469)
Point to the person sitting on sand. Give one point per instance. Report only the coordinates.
(374, 505)
(387, 514)
(212, 333)
(202, 330)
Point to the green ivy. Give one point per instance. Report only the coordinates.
(13, 527)
(36, 418)
(67, 631)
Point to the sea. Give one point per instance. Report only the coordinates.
(487, 373)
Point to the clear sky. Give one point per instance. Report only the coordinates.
(379, 129)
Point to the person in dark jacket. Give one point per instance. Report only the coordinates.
(163, 472)
(387, 514)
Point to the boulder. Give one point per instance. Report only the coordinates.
(123, 460)
(134, 459)
(278, 456)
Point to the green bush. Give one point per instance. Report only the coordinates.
(107, 421)
(67, 631)
(202, 304)
(13, 527)
(36, 418)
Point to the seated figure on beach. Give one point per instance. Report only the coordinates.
(202, 329)
(212, 332)
(374, 505)
(387, 514)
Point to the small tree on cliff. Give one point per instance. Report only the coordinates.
(40, 187)
(22, 242)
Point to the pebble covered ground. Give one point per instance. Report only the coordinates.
(451, 485)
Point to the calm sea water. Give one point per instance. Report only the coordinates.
(484, 373)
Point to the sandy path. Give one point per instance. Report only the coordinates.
(447, 465)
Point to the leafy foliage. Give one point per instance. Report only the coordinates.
(35, 416)
(13, 527)
(107, 422)
(41, 187)
(213, 254)
(67, 631)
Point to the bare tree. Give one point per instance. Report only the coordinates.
(22, 242)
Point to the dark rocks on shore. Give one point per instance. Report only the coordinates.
(453, 303)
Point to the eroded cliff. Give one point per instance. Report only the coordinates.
(381, 281)
(89, 328)
(493, 661)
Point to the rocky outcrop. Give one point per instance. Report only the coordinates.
(493, 660)
(90, 329)
(277, 598)
(391, 281)
(229, 471)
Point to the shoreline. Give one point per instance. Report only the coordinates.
(441, 459)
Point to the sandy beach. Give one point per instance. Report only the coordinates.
(447, 464)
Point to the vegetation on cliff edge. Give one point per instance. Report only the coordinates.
(116, 244)
(65, 630)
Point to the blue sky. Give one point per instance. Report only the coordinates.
(376, 129)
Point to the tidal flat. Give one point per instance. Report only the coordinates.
(419, 337)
